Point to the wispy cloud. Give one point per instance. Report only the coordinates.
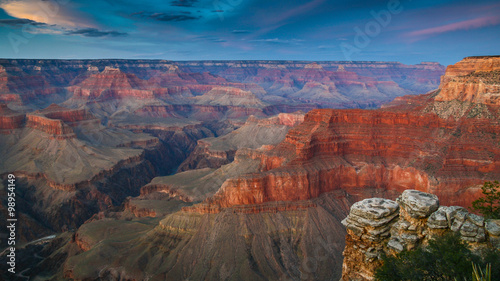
(240, 31)
(209, 38)
(19, 22)
(462, 25)
(93, 32)
(278, 41)
(295, 11)
(184, 3)
(167, 16)
(43, 28)
(269, 23)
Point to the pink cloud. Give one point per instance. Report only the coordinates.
(276, 21)
(462, 25)
(295, 11)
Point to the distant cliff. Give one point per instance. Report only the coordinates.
(419, 78)
(25, 82)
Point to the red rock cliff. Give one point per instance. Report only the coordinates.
(378, 151)
(366, 152)
(57, 120)
(50, 126)
(10, 119)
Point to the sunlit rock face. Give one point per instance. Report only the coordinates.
(474, 79)
(361, 152)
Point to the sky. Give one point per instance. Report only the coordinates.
(408, 31)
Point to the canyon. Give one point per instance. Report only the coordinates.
(248, 188)
(99, 118)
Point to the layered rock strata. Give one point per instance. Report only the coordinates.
(364, 151)
(474, 79)
(426, 146)
(29, 83)
(10, 120)
(379, 226)
(215, 152)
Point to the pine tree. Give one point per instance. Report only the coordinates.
(489, 204)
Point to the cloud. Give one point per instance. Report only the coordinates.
(93, 32)
(210, 38)
(240, 31)
(184, 3)
(323, 47)
(278, 41)
(19, 22)
(167, 17)
(48, 12)
(293, 12)
(462, 25)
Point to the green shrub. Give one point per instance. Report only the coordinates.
(445, 258)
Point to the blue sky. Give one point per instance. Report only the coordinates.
(390, 30)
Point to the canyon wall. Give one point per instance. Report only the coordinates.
(412, 144)
(474, 79)
(358, 150)
(10, 119)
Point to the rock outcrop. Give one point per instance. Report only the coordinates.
(215, 152)
(474, 79)
(10, 119)
(228, 96)
(111, 83)
(50, 126)
(57, 121)
(379, 226)
(63, 157)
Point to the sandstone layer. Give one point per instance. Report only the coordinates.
(474, 79)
